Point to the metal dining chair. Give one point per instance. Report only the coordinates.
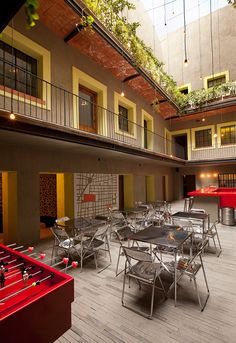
(98, 242)
(190, 267)
(63, 242)
(212, 233)
(140, 267)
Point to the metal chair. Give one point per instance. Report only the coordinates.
(117, 220)
(98, 242)
(140, 267)
(211, 233)
(191, 267)
(123, 234)
(63, 242)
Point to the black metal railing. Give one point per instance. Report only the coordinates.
(26, 94)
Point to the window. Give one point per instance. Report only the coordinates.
(216, 81)
(87, 109)
(17, 70)
(228, 135)
(185, 89)
(123, 118)
(227, 180)
(203, 138)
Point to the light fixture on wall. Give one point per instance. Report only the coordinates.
(215, 135)
(185, 37)
(122, 93)
(12, 116)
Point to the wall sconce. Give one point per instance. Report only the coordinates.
(202, 176)
(12, 116)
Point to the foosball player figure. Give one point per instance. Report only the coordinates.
(2, 275)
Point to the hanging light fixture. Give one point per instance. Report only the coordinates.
(199, 41)
(212, 52)
(185, 37)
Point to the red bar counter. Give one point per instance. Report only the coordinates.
(40, 312)
(212, 199)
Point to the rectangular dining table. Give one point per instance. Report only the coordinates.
(166, 237)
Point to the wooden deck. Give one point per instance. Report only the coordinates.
(98, 316)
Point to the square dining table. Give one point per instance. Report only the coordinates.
(169, 237)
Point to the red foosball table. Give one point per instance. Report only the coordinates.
(35, 299)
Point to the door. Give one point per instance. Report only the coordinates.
(189, 184)
(87, 109)
(145, 136)
(180, 146)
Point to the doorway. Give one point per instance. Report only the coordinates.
(189, 184)
(180, 144)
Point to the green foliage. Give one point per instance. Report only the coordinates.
(31, 7)
(109, 12)
(87, 21)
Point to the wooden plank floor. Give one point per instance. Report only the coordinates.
(97, 314)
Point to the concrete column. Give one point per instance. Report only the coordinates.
(28, 199)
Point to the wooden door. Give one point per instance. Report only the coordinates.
(87, 110)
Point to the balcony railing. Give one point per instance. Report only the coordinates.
(32, 97)
(217, 152)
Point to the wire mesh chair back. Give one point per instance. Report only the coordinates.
(137, 255)
(61, 236)
(62, 241)
(99, 241)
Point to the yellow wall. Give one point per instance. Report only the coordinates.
(128, 191)
(150, 187)
(65, 195)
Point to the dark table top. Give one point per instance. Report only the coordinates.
(84, 223)
(193, 215)
(171, 236)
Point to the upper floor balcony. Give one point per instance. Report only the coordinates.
(40, 103)
(45, 105)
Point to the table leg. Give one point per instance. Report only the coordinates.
(175, 282)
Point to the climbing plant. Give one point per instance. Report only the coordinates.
(110, 13)
(31, 7)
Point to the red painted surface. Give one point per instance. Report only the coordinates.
(40, 313)
(227, 195)
(89, 197)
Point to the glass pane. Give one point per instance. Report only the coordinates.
(203, 138)
(85, 109)
(123, 119)
(228, 135)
